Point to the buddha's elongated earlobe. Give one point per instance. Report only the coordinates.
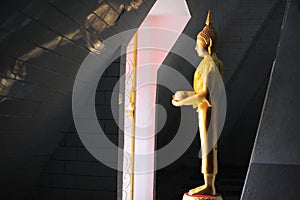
(210, 45)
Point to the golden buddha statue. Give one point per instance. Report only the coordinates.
(205, 87)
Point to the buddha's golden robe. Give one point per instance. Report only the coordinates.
(207, 66)
(207, 77)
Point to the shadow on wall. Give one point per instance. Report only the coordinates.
(89, 23)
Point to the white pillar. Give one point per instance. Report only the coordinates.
(153, 44)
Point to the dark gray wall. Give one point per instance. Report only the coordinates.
(246, 85)
(72, 172)
(275, 163)
(36, 113)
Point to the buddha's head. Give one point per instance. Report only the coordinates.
(207, 39)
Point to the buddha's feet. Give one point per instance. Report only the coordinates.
(203, 190)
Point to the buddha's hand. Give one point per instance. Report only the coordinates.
(176, 102)
(183, 98)
(177, 98)
(181, 95)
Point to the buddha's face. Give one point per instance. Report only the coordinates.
(200, 50)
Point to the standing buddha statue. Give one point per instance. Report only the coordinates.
(204, 98)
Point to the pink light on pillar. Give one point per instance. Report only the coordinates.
(153, 44)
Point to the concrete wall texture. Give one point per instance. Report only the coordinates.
(275, 161)
(41, 154)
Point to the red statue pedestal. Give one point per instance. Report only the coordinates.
(187, 196)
